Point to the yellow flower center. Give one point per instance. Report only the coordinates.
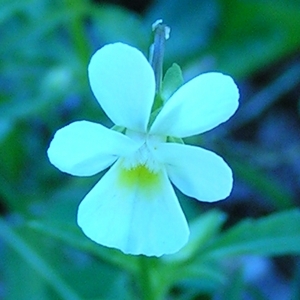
(141, 171)
(140, 176)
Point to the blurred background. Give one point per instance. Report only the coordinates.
(45, 47)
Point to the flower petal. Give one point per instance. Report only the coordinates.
(197, 172)
(124, 214)
(84, 148)
(198, 106)
(123, 82)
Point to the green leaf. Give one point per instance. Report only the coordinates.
(276, 193)
(172, 81)
(17, 273)
(277, 234)
(255, 34)
(71, 235)
(12, 156)
(36, 262)
(279, 196)
(202, 229)
(206, 275)
(235, 286)
(254, 108)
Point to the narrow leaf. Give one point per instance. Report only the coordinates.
(36, 262)
(203, 229)
(71, 235)
(277, 234)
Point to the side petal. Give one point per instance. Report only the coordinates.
(198, 106)
(123, 82)
(197, 172)
(124, 215)
(84, 148)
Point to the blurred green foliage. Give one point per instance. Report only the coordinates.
(45, 49)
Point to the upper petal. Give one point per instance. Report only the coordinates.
(84, 148)
(197, 172)
(123, 82)
(198, 106)
(123, 214)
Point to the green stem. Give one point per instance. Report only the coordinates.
(161, 34)
(154, 285)
(145, 279)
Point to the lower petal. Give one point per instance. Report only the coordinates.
(197, 172)
(134, 217)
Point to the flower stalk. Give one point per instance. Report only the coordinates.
(145, 279)
(152, 285)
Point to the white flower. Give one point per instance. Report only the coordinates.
(133, 207)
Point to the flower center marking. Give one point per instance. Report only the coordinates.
(140, 170)
(139, 176)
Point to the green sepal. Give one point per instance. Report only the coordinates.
(172, 139)
(171, 82)
(120, 129)
(153, 116)
(158, 103)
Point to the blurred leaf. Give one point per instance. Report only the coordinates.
(254, 34)
(277, 234)
(12, 155)
(235, 286)
(200, 277)
(275, 192)
(5, 128)
(295, 288)
(9, 196)
(265, 185)
(184, 268)
(71, 235)
(202, 230)
(256, 293)
(20, 281)
(36, 262)
(271, 93)
(34, 75)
